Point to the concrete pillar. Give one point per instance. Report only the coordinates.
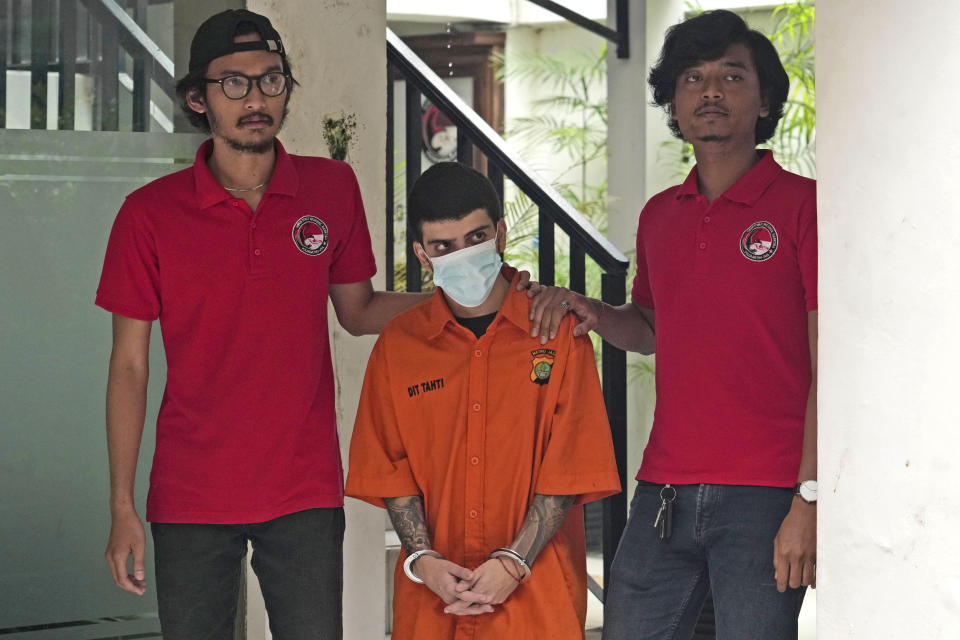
(659, 173)
(626, 118)
(636, 131)
(337, 51)
(889, 276)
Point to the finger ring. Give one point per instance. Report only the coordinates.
(565, 305)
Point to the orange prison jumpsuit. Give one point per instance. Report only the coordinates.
(478, 427)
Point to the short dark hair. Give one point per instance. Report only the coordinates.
(706, 37)
(193, 81)
(449, 191)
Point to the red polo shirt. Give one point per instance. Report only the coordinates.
(731, 282)
(247, 428)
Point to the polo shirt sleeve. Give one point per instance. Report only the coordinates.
(379, 467)
(807, 249)
(641, 294)
(130, 281)
(353, 259)
(578, 459)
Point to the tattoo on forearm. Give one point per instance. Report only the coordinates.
(544, 517)
(409, 521)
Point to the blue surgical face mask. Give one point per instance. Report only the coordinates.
(468, 275)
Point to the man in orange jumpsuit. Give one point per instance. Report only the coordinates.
(481, 442)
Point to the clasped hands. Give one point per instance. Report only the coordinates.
(464, 591)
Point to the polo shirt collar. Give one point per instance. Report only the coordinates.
(748, 189)
(513, 308)
(689, 186)
(284, 181)
(516, 306)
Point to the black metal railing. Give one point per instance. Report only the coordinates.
(619, 35)
(473, 133)
(82, 37)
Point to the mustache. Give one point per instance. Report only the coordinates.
(709, 105)
(259, 116)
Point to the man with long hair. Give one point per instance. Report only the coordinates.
(726, 295)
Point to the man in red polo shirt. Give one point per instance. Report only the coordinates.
(236, 257)
(726, 294)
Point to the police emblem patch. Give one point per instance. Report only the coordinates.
(759, 241)
(310, 235)
(542, 365)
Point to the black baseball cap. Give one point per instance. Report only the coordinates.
(214, 38)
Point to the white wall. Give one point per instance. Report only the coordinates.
(889, 276)
(561, 41)
(338, 53)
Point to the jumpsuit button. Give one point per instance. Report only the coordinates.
(478, 353)
(476, 406)
(256, 252)
(703, 245)
(706, 219)
(474, 460)
(473, 513)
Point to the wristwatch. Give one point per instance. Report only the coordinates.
(807, 490)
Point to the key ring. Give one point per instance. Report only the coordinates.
(672, 497)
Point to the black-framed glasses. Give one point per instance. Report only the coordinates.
(237, 86)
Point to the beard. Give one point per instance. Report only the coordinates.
(256, 146)
(261, 146)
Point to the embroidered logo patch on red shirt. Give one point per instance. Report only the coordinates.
(310, 235)
(759, 242)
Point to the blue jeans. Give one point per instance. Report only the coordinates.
(298, 559)
(722, 540)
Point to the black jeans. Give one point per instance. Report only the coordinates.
(298, 559)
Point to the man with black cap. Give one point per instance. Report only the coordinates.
(236, 256)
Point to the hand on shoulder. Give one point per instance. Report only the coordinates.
(549, 305)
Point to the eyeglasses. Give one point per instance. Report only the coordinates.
(236, 87)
